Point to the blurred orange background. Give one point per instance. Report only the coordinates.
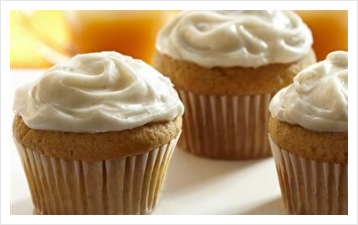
(40, 38)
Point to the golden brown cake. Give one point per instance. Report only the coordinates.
(96, 146)
(96, 134)
(226, 79)
(308, 132)
(329, 147)
(237, 81)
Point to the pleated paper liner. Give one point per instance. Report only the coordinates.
(129, 185)
(309, 186)
(225, 127)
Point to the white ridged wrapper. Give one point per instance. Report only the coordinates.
(309, 186)
(129, 185)
(225, 127)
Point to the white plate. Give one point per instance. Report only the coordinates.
(193, 185)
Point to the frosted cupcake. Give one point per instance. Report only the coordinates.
(96, 134)
(226, 65)
(308, 132)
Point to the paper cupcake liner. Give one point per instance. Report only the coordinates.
(225, 127)
(309, 186)
(129, 185)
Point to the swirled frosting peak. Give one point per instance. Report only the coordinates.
(318, 97)
(97, 92)
(228, 38)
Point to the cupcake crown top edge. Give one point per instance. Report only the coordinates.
(97, 92)
(318, 98)
(228, 38)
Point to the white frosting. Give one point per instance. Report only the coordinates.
(318, 97)
(228, 38)
(98, 92)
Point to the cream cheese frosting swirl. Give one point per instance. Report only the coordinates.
(318, 98)
(229, 38)
(97, 92)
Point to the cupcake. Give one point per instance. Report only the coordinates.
(308, 132)
(96, 134)
(226, 65)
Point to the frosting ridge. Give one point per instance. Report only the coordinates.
(97, 92)
(246, 38)
(318, 98)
